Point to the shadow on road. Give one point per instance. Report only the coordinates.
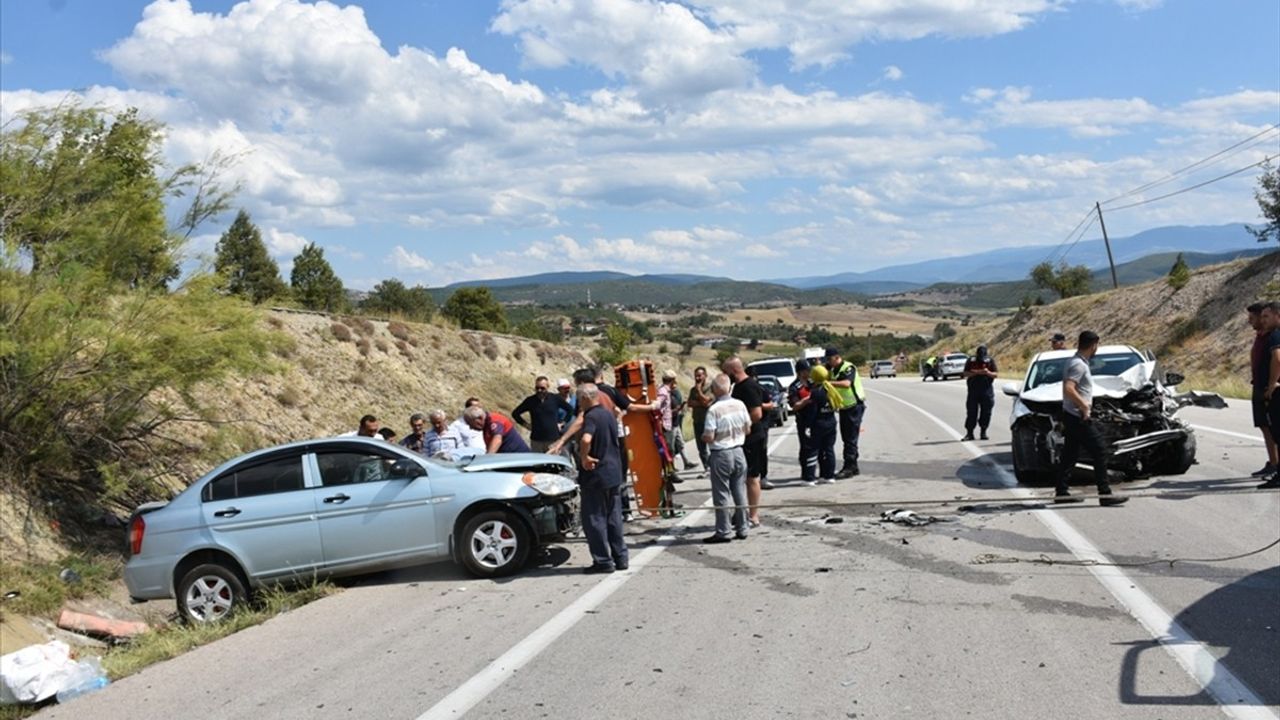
(1242, 619)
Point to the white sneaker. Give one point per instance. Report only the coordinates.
(810, 483)
(766, 485)
(828, 481)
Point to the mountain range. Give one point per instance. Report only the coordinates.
(1138, 258)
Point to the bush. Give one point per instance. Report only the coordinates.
(398, 330)
(381, 345)
(289, 397)
(363, 346)
(340, 331)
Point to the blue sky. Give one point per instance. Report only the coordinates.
(440, 141)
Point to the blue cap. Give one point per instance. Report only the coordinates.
(832, 352)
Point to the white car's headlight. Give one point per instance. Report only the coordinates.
(549, 483)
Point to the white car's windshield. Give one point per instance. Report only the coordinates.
(1050, 371)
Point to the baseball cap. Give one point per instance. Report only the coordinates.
(668, 374)
(563, 382)
(831, 352)
(802, 365)
(1059, 337)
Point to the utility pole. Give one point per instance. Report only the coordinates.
(1115, 284)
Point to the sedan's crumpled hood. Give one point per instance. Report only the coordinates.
(515, 461)
(1107, 386)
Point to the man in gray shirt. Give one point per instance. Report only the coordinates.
(1078, 427)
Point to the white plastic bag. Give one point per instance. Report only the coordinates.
(36, 672)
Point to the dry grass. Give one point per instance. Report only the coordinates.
(837, 318)
(341, 332)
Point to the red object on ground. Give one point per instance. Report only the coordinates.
(99, 626)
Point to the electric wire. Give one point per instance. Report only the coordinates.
(1050, 258)
(1220, 155)
(1193, 187)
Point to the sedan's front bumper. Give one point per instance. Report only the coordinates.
(557, 518)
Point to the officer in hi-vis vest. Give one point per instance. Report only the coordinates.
(844, 376)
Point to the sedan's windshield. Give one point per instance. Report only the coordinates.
(1050, 371)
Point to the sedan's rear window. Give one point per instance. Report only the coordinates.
(779, 368)
(275, 476)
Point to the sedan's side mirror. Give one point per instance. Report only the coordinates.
(1173, 379)
(1011, 389)
(406, 470)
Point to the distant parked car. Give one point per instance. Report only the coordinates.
(1134, 411)
(342, 506)
(776, 393)
(884, 368)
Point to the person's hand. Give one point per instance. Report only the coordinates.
(1084, 415)
(1266, 394)
(589, 463)
(554, 448)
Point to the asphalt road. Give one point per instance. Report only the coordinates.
(824, 612)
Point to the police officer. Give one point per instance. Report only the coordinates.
(797, 391)
(845, 380)
(980, 374)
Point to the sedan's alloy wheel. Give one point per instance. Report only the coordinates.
(494, 544)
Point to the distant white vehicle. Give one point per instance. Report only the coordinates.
(782, 368)
(952, 365)
(884, 368)
(814, 353)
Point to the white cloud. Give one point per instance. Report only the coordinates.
(283, 244)
(892, 73)
(408, 260)
(760, 250)
(5, 58)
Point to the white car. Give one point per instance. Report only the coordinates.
(951, 365)
(884, 368)
(1133, 409)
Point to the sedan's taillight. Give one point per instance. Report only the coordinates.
(137, 527)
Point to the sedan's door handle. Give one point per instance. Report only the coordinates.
(229, 512)
(339, 498)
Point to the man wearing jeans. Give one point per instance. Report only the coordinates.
(700, 399)
(1079, 430)
(724, 430)
(600, 483)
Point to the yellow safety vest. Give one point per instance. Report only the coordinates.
(850, 395)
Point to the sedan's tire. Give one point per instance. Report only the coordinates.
(209, 593)
(1028, 458)
(1176, 458)
(494, 543)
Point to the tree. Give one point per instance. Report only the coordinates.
(1268, 197)
(943, 330)
(392, 297)
(314, 283)
(81, 189)
(1179, 274)
(726, 349)
(242, 260)
(1065, 281)
(99, 360)
(615, 346)
(475, 308)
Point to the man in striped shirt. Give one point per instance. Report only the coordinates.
(724, 431)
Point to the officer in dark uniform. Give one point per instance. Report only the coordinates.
(600, 483)
(797, 391)
(980, 373)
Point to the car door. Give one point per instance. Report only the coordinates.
(369, 510)
(263, 513)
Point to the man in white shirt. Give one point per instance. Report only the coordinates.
(724, 431)
(467, 437)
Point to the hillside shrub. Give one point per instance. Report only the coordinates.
(398, 330)
(341, 332)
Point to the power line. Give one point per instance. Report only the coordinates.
(1221, 154)
(1193, 187)
(1093, 217)
(1050, 257)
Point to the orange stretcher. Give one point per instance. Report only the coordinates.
(648, 460)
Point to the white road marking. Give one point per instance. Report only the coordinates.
(1234, 698)
(482, 684)
(1242, 436)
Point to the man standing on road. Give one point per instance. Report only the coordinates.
(441, 437)
(980, 373)
(600, 483)
(755, 446)
(565, 388)
(1058, 342)
(724, 431)
(845, 379)
(1271, 394)
(1079, 431)
(700, 399)
(413, 442)
(544, 409)
(1258, 364)
(467, 437)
